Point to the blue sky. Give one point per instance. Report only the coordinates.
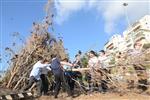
(83, 24)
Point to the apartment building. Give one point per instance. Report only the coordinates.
(115, 44)
(138, 32)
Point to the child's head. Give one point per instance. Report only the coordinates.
(102, 52)
(92, 53)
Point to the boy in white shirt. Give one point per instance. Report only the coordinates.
(35, 75)
(103, 61)
(94, 70)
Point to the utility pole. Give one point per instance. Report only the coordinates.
(126, 15)
(127, 19)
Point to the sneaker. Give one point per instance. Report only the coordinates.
(37, 95)
(90, 95)
(55, 96)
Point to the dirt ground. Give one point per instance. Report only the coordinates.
(99, 96)
(94, 96)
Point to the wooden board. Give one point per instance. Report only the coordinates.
(81, 69)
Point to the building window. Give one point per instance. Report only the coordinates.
(129, 45)
(128, 41)
(137, 28)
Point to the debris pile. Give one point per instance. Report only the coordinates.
(40, 43)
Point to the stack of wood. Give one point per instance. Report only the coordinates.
(23, 62)
(39, 44)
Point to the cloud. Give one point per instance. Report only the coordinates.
(64, 8)
(112, 11)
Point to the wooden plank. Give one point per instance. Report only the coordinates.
(81, 69)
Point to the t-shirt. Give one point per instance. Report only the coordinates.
(56, 66)
(45, 70)
(93, 62)
(103, 60)
(36, 69)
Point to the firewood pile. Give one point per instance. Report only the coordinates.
(22, 63)
(40, 43)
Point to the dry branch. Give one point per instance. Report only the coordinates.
(38, 44)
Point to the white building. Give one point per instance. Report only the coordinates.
(115, 44)
(138, 32)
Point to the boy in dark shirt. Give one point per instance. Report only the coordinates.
(59, 75)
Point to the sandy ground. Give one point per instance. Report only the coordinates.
(94, 96)
(99, 96)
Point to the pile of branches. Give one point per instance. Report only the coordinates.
(22, 63)
(40, 43)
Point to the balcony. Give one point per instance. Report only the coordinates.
(136, 24)
(129, 45)
(139, 35)
(109, 46)
(134, 27)
(128, 41)
(139, 39)
(141, 31)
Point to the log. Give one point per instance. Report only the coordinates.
(81, 69)
(18, 83)
(13, 75)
